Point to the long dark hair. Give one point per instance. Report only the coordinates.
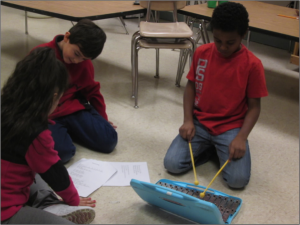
(27, 96)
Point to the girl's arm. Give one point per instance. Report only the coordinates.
(237, 147)
(43, 159)
(187, 130)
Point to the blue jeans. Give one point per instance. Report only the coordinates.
(178, 160)
(87, 128)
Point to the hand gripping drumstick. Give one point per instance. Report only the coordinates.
(192, 157)
(203, 193)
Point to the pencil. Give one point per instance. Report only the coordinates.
(291, 17)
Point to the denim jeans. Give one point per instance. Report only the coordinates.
(85, 127)
(178, 160)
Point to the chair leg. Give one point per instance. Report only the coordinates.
(192, 40)
(180, 71)
(157, 63)
(198, 36)
(134, 53)
(136, 80)
(205, 32)
(137, 33)
(184, 54)
(134, 40)
(177, 82)
(191, 57)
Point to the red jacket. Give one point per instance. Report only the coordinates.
(223, 86)
(18, 173)
(82, 80)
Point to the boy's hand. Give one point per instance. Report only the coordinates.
(237, 148)
(187, 131)
(114, 126)
(87, 202)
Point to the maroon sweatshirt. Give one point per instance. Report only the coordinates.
(82, 81)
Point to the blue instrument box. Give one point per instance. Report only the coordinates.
(183, 199)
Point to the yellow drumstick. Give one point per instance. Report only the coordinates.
(192, 157)
(203, 193)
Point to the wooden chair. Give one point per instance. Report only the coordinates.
(156, 35)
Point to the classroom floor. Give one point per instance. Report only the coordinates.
(272, 196)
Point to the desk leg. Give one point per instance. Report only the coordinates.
(124, 25)
(295, 56)
(202, 31)
(26, 26)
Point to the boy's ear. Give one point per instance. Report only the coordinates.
(245, 33)
(66, 37)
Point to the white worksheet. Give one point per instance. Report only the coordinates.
(127, 171)
(88, 175)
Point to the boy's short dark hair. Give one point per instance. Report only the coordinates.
(230, 16)
(88, 37)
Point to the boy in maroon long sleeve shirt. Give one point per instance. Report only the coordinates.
(81, 113)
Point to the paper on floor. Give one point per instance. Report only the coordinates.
(88, 175)
(127, 171)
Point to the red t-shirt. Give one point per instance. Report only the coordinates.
(82, 80)
(223, 86)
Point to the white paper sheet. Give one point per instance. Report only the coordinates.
(88, 175)
(127, 171)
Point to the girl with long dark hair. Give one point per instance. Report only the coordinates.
(28, 159)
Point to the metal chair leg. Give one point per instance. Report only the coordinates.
(134, 42)
(136, 78)
(198, 35)
(184, 54)
(177, 81)
(157, 63)
(191, 57)
(205, 32)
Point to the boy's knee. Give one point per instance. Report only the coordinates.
(172, 165)
(66, 154)
(108, 144)
(237, 181)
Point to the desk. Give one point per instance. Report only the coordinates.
(77, 10)
(263, 18)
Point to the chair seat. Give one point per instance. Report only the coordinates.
(165, 45)
(165, 30)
